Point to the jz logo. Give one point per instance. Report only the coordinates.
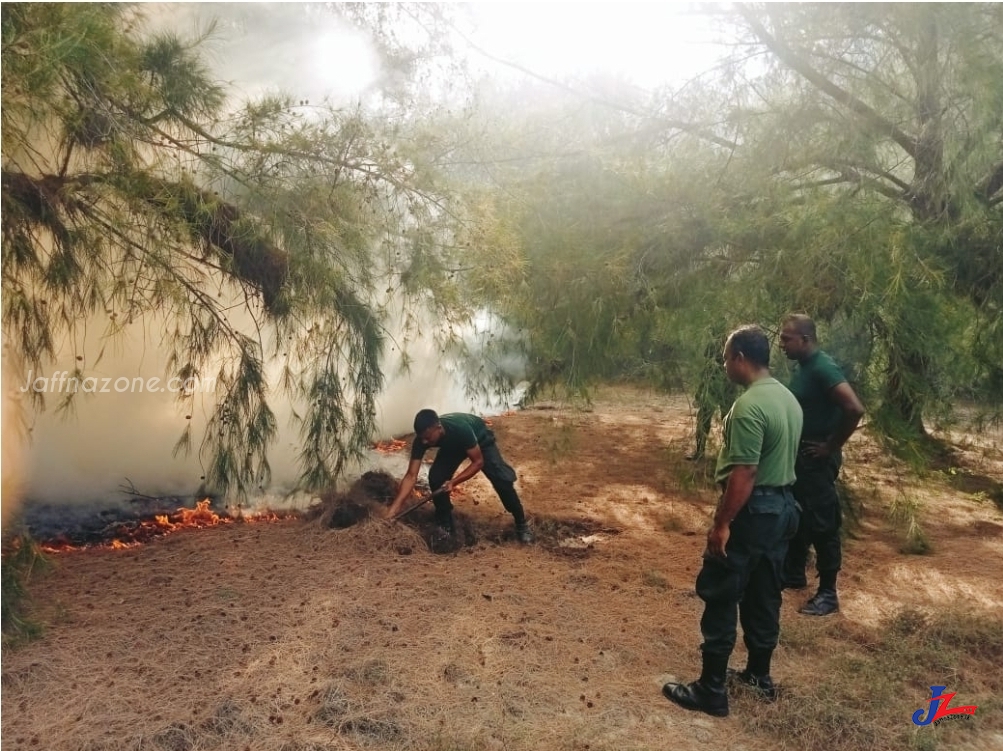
(940, 707)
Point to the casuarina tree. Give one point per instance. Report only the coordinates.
(255, 233)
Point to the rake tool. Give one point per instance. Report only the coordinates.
(425, 499)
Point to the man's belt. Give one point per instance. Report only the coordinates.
(771, 489)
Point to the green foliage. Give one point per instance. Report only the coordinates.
(853, 173)
(21, 560)
(904, 513)
(883, 112)
(593, 269)
(255, 234)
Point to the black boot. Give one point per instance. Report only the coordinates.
(523, 533)
(762, 684)
(707, 694)
(825, 602)
(757, 674)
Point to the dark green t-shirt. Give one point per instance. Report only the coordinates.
(762, 429)
(462, 433)
(811, 383)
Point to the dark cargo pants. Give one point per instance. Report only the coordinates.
(821, 517)
(748, 580)
(501, 476)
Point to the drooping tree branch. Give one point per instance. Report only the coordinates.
(987, 188)
(50, 200)
(805, 69)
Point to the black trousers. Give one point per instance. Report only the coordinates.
(501, 476)
(821, 516)
(746, 585)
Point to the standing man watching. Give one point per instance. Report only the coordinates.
(459, 437)
(832, 412)
(747, 543)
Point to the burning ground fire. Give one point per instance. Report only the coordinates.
(130, 534)
(390, 446)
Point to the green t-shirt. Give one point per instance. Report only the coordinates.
(462, 433)
(811, 383)
(762, 429)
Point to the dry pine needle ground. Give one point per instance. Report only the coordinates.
(295, 636)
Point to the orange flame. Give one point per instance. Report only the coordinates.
(131, 535)
(390, 446)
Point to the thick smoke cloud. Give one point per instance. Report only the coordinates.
(115, 437)
(124, 433)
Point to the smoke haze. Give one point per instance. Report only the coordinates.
(120, 436)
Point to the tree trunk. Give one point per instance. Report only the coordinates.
(930, 204)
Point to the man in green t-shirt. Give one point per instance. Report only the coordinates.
(832, 412)
(459, 437)
(756, 516)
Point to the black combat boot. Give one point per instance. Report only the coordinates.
(523, 533)
(707, 694)
(757, 675)
(825, 602)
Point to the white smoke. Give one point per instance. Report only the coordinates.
(121, 437)
(116, 438)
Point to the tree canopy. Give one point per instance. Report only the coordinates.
(260, 231)
(844, 161)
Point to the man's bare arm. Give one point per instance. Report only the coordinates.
(853, 410)
(741, 481)
(406, 486)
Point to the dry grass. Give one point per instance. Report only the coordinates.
(293, 636)
(887, 671)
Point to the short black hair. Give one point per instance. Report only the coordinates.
(803, 324)
(424, 420)
(751, 342)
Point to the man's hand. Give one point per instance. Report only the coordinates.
(446, 487)
(717, 538)
(817, 449)
(741, 481)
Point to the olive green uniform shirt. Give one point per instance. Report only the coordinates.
(762, 429)
(462, 433)
(811, 383)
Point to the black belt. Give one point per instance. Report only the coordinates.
(771, 489)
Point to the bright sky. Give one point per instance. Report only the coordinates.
(309, 52)
(649, 42)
